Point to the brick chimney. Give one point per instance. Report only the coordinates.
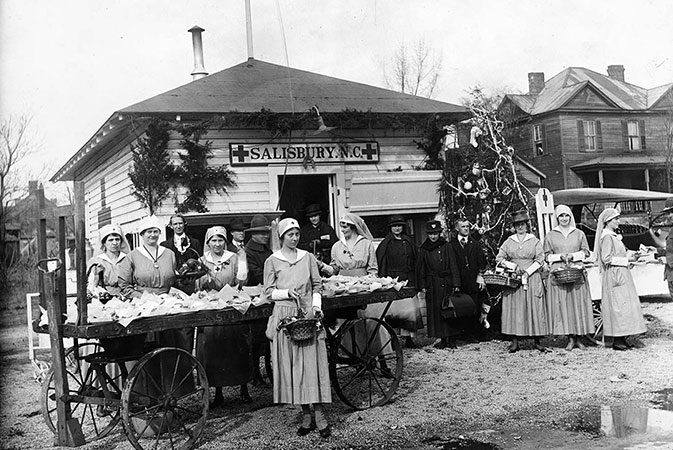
(535, 82)
(616, 72)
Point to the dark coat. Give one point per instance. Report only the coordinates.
(404, 270)
(256, 254)
(471, 262)
(437, 272)
(193, 251)
(325, 238)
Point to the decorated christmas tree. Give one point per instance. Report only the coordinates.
(480, 180)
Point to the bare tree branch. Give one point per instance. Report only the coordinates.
(415, 72)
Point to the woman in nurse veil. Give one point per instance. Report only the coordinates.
(620, 305)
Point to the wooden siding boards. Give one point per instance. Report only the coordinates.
(397, 150)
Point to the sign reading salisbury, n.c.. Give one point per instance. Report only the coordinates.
(352, 152)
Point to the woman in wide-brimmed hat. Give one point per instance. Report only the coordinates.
(223, 350)
(524, 312)
(620, 305)
(300, 370)
(570, 309)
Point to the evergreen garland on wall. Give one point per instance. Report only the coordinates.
(196, 174)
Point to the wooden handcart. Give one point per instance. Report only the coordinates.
(157, 413)
(163, 400)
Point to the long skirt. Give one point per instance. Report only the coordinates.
(524, 311)
(438, 326)
(224, 352)
(300, 369)
(570, 310)
(620, 305)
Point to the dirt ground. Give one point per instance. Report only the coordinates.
(447, 399)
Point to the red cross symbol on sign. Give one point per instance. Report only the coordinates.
(369, 152)
(240, 153)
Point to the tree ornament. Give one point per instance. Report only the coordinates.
(467, 186)
(475, 132)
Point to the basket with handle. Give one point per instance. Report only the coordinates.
(300, 328)
(498, 279)
(567, 274)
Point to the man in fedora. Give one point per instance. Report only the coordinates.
(257, 250)
(396, 256)
(237, 230)
(317, 237)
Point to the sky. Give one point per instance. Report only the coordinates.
(69, 64)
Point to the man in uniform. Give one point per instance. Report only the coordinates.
(317, 237)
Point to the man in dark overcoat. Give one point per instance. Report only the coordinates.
(471, 265)
(317, 236)
(396, 256)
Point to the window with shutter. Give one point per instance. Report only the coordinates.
(633, 135)
(589, 135)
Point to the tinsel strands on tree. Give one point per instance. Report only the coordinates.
(479, 180)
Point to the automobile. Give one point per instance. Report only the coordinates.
(638, 225)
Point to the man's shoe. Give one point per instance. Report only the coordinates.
(409, 343)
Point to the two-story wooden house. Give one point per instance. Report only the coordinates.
(585, 129)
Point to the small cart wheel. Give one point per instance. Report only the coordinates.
(598, 319)
(365, 363)
(165, 400)
(94, 396)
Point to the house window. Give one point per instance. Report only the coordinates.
(634, 135)
(537, 140)
(590, 135)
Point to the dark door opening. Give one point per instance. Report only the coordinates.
(299, 191)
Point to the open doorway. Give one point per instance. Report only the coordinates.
(299, 191)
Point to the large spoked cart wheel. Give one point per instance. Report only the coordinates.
(94, 390)
(165, 400)
(598, 319)
(365, 362)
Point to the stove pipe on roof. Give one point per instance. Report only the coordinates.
(197, 44)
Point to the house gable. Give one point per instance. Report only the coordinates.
(589, 98)
(510, 110)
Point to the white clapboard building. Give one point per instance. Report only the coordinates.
(369, 170)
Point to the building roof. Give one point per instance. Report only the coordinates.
(561, 88)
(620, 161)
(255, 85)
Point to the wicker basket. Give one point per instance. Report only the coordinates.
(501, 280)
(302, 329)
(568, 275)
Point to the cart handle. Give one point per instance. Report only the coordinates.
(43, 265)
